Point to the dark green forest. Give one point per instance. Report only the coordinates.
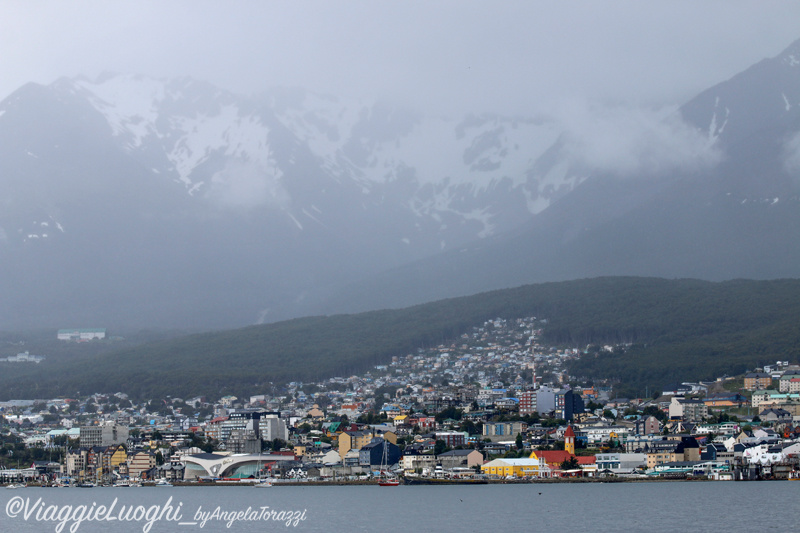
(673, 329)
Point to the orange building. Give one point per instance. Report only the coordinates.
(757, 381)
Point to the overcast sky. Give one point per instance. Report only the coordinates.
(451, 55)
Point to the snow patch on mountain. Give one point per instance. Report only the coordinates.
(36, 230)
(129, 103)
(324, 123)
(228, 133)
(297, 222)
(435, 148)
(441, 165)
(140, 109)
(479, 157)
(557, 181)
(472, 169)
(714, 130)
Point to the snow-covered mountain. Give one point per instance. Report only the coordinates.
(713, 193)
(298, 153)
(148, 181)
(130, 202)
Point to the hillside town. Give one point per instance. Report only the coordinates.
(494, 405)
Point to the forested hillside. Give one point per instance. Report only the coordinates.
(675, 329)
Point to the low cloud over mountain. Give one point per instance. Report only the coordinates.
(139, 202)
(635, 142)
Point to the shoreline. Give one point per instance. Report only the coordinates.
(433, 481)
(414, 482)
(344, 483)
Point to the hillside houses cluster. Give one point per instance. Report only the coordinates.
(495, 403)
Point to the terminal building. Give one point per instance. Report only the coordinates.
(236, 466)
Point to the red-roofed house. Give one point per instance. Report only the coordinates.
(554, 458)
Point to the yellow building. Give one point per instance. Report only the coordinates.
(117, 455)
(353, 440)
(685, 450)
(299, 450)
(516, 468)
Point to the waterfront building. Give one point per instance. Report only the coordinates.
(504, 468)
(620, 463)
(417, 462)
(372, 454)
(672, 450)
(232, 466)
(140, 462)
(76, 462)
(460, 458)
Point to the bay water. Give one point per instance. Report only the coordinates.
(589, 507)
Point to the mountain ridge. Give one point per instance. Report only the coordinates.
(736, 219)
(181, 173)
(147, 202)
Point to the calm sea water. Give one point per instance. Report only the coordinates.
(595, 507)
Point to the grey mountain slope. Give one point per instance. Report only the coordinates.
(131, 202)
(133, 243)
(740, 219)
